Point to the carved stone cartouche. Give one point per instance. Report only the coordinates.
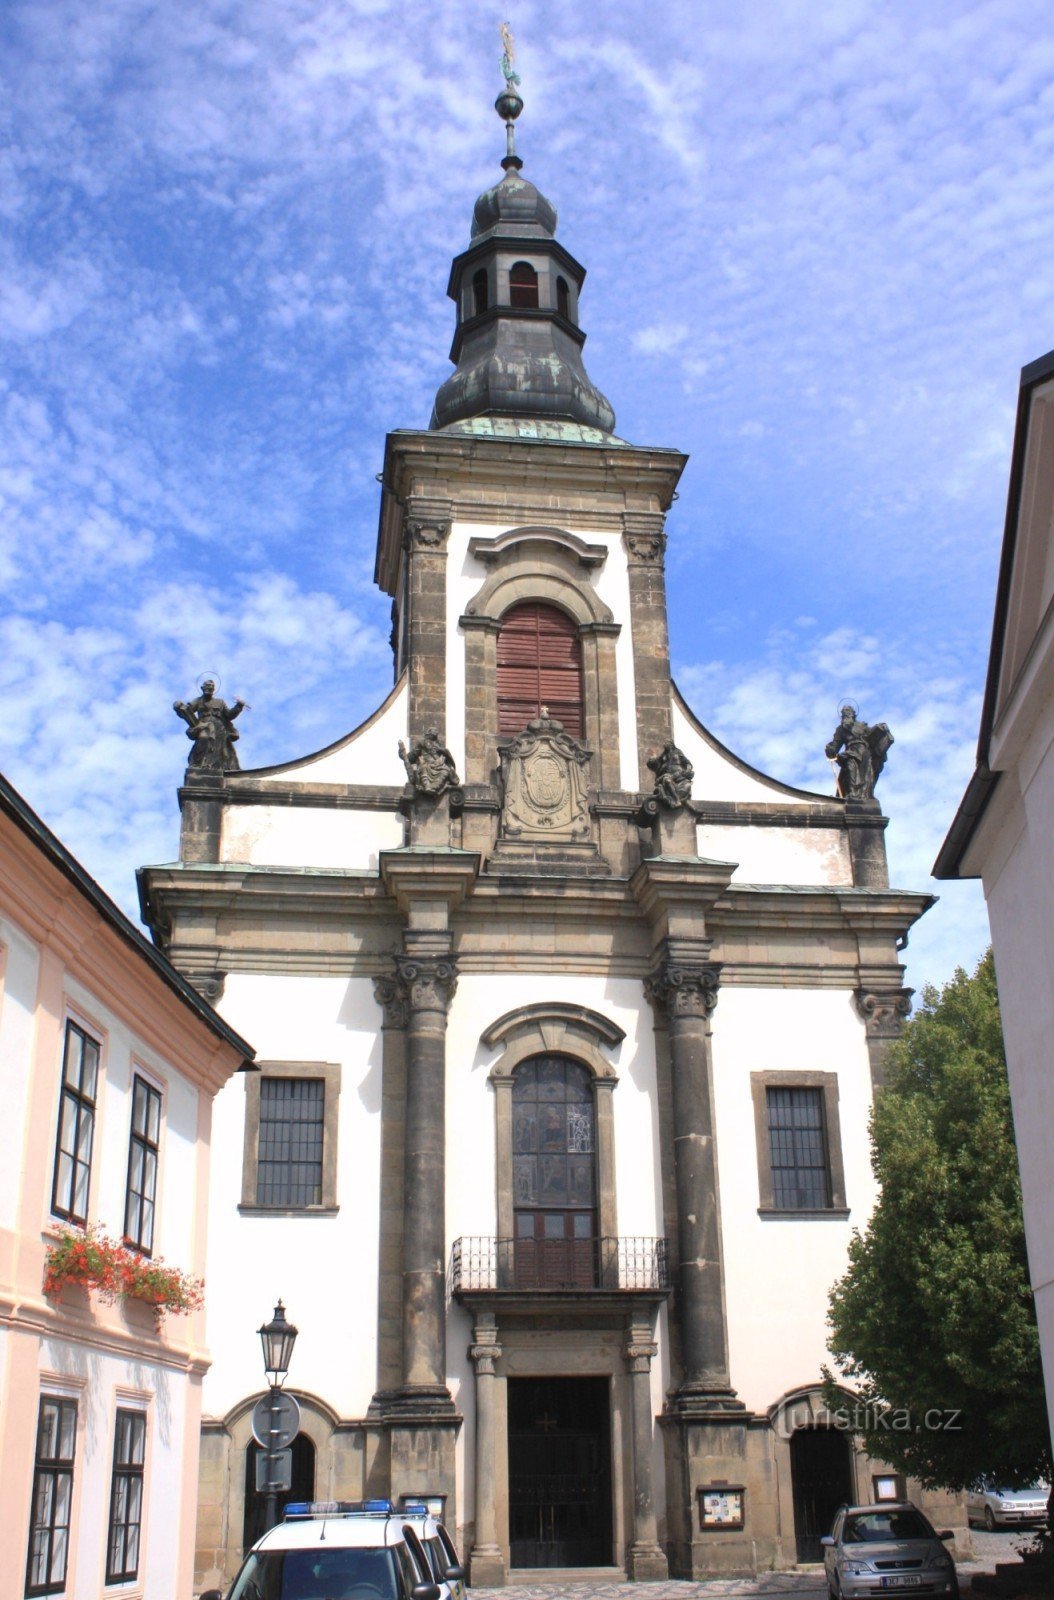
(543, 775)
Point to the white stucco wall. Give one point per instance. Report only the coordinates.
(298, 836)
(100, 1383)
(778, 1271)
(717, 777)
(323, 1266)
(1018, 861)
(369, 754)
(779, 855)
(19, 969)
(124, 1055)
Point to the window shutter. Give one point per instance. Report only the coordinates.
(539, 664)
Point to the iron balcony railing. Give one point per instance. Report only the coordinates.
(559, 1265)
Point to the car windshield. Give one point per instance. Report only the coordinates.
(317, 1574)
(879, 1527)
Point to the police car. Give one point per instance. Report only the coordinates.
(337, 1550)
(443, 1559)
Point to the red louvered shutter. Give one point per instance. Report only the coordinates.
(539, 664)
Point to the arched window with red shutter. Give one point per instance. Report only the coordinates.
(539, 664)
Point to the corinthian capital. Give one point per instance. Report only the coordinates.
(883, 1010)
(684, 991)
(391, 997)
(428, 982)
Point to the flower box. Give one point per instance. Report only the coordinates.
(88, 1258)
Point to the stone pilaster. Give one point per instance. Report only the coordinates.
(390, 996)
(645, 542)
(201, 816)
(867, 843)
(426, 529)
(645, 1559)
(686, 994)
(883, 1010)
(486, 1562)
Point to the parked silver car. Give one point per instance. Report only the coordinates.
(874, 1549)
(1002, 1508)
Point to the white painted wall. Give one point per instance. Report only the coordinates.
(298, 836)
(124, 1055)
(100, 1383)
(779, 855)
(777, 1271)
(323, 1266)
(719, 777)
(369, 754)
(19, 970)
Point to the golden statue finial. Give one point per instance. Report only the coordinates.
(508, 45)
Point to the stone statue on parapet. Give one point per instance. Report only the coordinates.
(429, 765)
(860, 752)
(211, 730)
(673, 777)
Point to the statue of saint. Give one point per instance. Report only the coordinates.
(210, 728)
(429, 765)
(673, 776)
(860, 752)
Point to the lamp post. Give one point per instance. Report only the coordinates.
(277, 1338)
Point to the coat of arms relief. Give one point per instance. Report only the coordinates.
(545, 793)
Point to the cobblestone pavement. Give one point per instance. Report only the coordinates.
(988, 1549)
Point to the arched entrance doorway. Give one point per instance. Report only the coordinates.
(302, 1487)
(822, 1480)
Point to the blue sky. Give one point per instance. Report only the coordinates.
(820, 247)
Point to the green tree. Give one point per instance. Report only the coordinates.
(935, 1314)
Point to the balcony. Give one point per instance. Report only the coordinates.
(560, 1266)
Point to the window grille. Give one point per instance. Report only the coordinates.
(141, 1195)
(798, 1146)
(49, 1526)
(289, 1166)
(76, 1129)
(126, 1497)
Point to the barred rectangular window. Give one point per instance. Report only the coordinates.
(798, 1149)
(49, 1526)
(289, 1163)
(126, 1497)
(141, 1194)
(76, 1129)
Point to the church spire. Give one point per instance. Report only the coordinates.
(518, 347)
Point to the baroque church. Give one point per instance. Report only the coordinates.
(568, 1020)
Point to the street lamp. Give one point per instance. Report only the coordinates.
(277, 1338)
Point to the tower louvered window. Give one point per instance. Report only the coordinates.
(539, 664)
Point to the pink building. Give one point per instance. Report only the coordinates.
(109, 1062)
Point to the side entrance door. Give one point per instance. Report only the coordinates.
(559, 1472)
(822, 1479)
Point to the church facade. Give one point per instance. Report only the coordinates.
(568, 1021)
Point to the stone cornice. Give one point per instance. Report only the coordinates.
(512, 480)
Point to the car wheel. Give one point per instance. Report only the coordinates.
(989, 1519)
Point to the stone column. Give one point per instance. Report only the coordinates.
(486, 1562)
(645, 1561)
(428, 985)
(688, 994)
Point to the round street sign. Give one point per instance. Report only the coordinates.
(276, 1434)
